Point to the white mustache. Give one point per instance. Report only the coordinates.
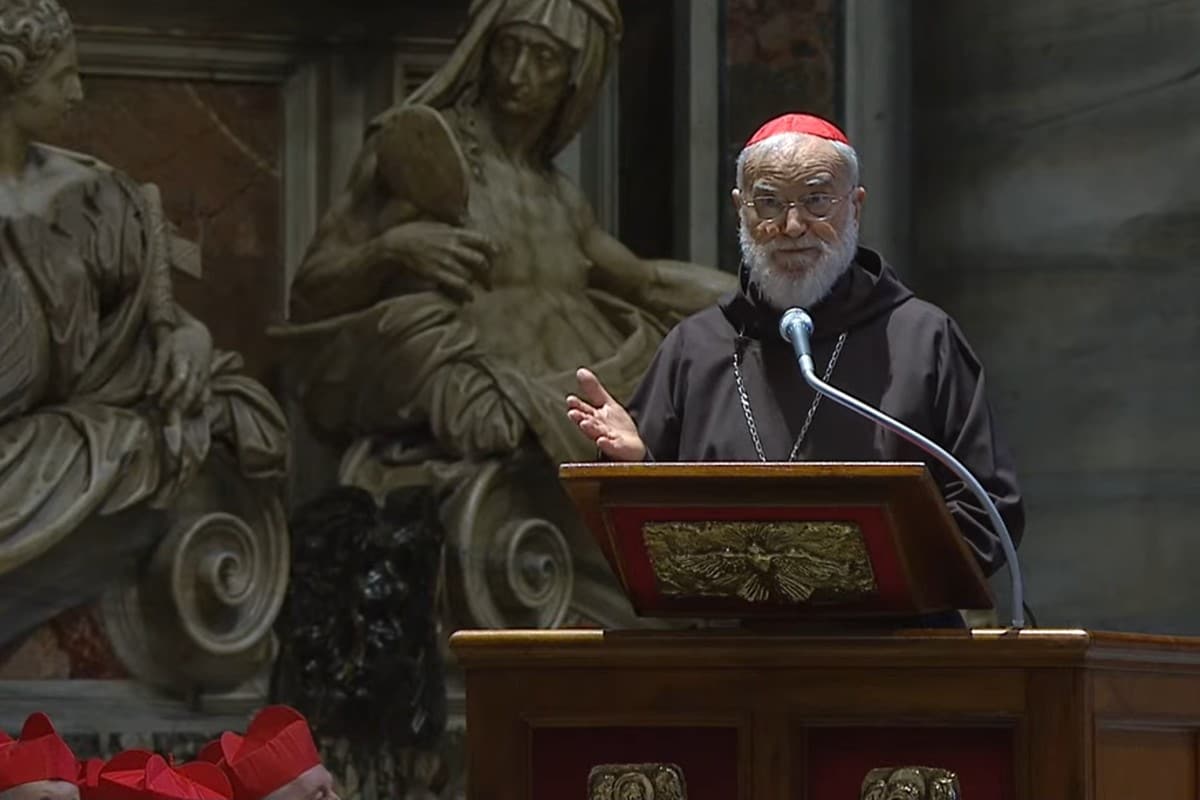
(796, 245)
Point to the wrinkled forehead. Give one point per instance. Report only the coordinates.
(796, 161)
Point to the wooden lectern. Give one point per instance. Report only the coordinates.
(733, 712)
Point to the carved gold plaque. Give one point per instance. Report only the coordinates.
(636, 782)
(788, 562)
(910, 783)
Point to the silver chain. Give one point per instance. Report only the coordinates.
(812, 410)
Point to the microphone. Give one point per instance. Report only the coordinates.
(796, 326)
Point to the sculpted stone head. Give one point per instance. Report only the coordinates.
(528, 70)
(39, 72)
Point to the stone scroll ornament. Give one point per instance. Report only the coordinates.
(636, 782)
(910, 783)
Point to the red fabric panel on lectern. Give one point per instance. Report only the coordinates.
(839, 758)
(563, 757)
(627, 521)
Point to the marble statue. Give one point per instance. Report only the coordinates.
(134, 459)
(458, 282)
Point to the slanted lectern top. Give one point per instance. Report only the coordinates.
(805, 540)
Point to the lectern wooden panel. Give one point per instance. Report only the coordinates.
(1035, 715)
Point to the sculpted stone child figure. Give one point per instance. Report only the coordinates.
(458, 281)
(113, 401)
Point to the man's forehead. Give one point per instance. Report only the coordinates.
(783, 178)
(800, 160)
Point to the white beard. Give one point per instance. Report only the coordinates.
(785, 281)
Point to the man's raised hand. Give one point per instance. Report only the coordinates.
(604, 421)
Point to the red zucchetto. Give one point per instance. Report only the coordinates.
(39, 755)
(277, 749)
(799, 123)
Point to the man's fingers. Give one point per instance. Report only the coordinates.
(595, 429)
(574, 403)
(591, 388)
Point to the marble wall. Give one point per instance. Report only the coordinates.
(1057, 215)
(213, 149)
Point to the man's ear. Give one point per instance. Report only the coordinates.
(860, 198)
(736, 197)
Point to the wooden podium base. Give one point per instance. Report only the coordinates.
(1035, 715)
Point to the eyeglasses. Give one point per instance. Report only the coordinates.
(770, 208)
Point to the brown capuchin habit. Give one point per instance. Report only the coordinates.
(902, 355)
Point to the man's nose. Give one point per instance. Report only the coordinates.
(794, 223)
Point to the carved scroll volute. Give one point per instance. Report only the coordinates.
(636, 782)
(508, 565)
(910, 783)
(200, 617)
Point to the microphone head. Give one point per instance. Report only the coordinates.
(791, 318)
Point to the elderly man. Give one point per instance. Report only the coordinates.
(37, 766)
(277, 759)
(725, 387)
